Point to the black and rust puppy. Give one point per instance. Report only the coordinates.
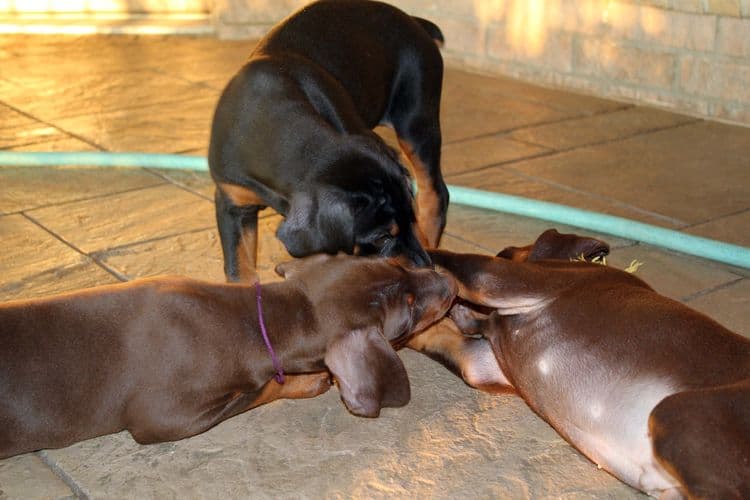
(293, 131)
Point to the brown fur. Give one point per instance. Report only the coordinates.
(167, 358)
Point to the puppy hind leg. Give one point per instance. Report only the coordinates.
(432, 195)
(702, 437)
(237, 219)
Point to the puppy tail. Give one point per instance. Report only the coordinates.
(431, 29)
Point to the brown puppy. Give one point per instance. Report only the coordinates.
(167, 358)
(650, 390)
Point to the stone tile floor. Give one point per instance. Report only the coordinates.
(68, 228)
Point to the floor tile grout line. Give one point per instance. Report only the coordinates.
(132, 107)
(553, 151)
(538, 101)
(56, 127)
(611, 201)
(177, 183)
(468, 241)
(78, 490)
(717, 218)
(185, 79)
(97, 254)
(542, 123)
(630, 136)
(184, 187)
(88, 198)
(586, 194)
(74, 248)
(702, 293)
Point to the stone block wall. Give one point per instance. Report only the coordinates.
(690, 56)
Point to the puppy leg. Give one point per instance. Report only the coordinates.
(702, 437)
(470, 358)
(294, 387)
(415, 115)
(154, 424)
(432, 195)
(237, 219)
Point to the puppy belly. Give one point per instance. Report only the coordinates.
(609, 425)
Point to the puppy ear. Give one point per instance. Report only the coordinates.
(321, 222)
(516, 254)
(369, 373)
(554, 245)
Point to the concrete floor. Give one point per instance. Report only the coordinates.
(68, 228)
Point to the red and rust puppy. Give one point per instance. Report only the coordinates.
(167, 358)
(293, 131)
(650, 390)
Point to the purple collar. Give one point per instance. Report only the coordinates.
(276, 364)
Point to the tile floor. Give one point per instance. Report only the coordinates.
(69, 227)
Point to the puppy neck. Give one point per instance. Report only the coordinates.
(292, 330)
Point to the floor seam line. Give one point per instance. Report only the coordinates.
(688, 298)
(73, 247)
(615, 203)
(56, 127)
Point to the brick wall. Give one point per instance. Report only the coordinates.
(691, 56)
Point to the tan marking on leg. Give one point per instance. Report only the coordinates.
(247, 250)
(428, 208)
(470, 358)
(240, 196)
(420, 235)
(247, 255)
(294, 387)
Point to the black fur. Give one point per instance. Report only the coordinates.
(295, 127)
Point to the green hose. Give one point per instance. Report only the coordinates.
(666, 238)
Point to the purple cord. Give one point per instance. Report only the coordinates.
(276, 364)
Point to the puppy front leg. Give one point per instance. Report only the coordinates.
(237, 219)
(470, 358)
(302, 386)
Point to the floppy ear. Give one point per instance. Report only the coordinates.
(318, 222)
(369, 373)
(516, 254)
(554, 245)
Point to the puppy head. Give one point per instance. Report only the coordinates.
(364, 306)
(319, 220)
(363, 206)
(384, 217)
(554, 245)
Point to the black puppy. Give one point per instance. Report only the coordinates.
(293, 130)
